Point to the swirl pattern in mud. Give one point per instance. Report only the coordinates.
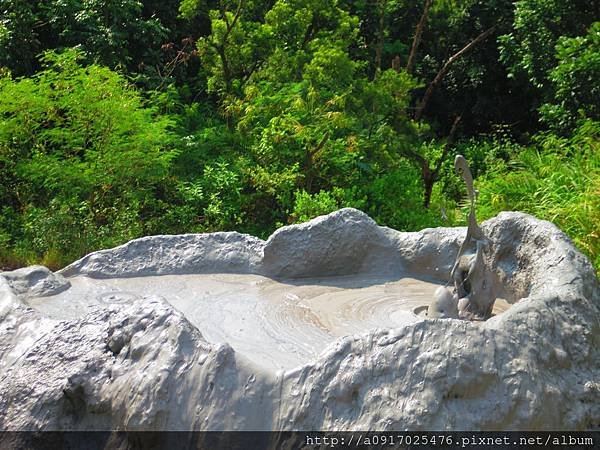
(279, 324)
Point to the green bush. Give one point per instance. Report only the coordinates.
(307, 206)
(558, 180)
(82, 159)
(576, 81)
(395, 199)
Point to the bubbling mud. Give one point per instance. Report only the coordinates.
(279, 324)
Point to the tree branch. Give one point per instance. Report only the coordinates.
(380, 35)
(237, 13)
(223, 12)
(415, 157)
(449, 144)
(308, 34)
(231, 26)
(221, 47)
(417, 38)
(310, 155)
(444, 70)
(320, 145)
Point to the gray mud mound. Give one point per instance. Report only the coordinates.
(321, 327)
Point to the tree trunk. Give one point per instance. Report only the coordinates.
(417, 38)
(429, 179)
(380, 35)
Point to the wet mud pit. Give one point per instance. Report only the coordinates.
(103, 348)
(276, 324)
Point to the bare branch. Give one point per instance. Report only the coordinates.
(231, 26)
(417, 38)
(380, 35)
(449, 144)
(444, 70)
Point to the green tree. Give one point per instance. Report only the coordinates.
(237, 43)
(575, 81)
(126, 33)
(529, 48)
(81, 158)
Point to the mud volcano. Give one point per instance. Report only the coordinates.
(321, 327)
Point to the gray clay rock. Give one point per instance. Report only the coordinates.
(132, 360)
(35, 280)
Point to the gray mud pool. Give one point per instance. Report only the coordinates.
(275, 323)
(320, 327)
(279, 324)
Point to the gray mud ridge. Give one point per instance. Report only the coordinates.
(318, 328)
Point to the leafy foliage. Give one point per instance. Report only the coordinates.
(558, 179)
(249, 114)
(529, 48)
(80, 155)
(575, 81)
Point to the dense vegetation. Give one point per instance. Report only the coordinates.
(132, 117)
